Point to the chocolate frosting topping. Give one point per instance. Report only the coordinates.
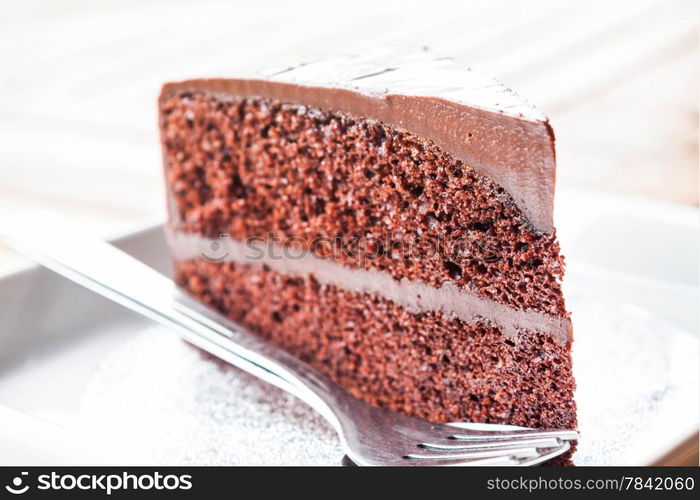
(475, 118)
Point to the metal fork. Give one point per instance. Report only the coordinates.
(369, 435)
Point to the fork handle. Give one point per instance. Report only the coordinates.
(110, 272)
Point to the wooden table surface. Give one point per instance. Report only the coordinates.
(79, 80)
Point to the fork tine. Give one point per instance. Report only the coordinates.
(502, 460)
(541, 455)
(523, 452)
(564, 435)
(501, 444)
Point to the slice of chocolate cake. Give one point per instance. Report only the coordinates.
(389, 221)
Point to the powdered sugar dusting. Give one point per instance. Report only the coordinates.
(177, 406)
(638, 382)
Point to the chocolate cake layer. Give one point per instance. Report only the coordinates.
(423, 364)
(253, 167)
(477, 119)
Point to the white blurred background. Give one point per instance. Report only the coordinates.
(79, 81)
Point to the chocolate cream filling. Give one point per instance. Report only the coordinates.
(413, 295)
